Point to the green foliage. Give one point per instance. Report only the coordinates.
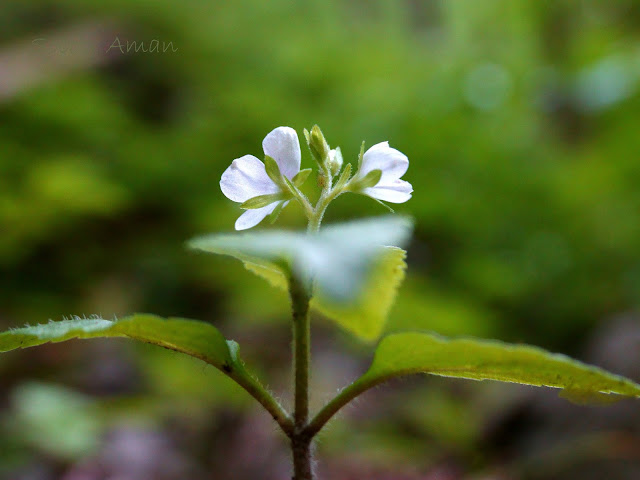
(527, 206)
(273, 170)
(369, 180)
(528, 187)
(366, 315)
(344, 176)
(261, 201)
(55, 420)
(408, 353)
(355, 276)
(197, 339)
(301, 177)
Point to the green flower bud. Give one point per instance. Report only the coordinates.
(318, 145)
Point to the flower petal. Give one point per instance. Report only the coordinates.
(250, 218)
(283, 146)
(392, 162)
(246, 178)
(397, 191)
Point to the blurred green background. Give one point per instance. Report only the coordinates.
(520, 120)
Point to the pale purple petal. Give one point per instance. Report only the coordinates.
(283, 146)
(397, 191)
(246, 178)
(250, 218)
(392, 162)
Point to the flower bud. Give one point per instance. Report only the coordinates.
(335, 161)
(318, 145)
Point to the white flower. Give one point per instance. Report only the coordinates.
(393, 165)
(247, 178)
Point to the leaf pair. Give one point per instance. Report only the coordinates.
(397, 355)
(355, 278)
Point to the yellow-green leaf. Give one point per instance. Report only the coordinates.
(261, 201)
(198, 339)
(301, 177)
(367, 314)
(408, 353)
(355, 275)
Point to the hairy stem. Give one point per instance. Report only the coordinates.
(321, 207)
(300, 442)
(257, 391)
(302, 458)
(343, 398)
(300, 292)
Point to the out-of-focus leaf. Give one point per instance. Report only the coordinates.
(408, 353)
(356, 274)
(271, 274)
(58, 421)
(366, 315)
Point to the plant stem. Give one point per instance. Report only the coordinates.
(243, 378)
(344, 397)
(300, 292)
(300, 441)
(323, 202)
(302, 458)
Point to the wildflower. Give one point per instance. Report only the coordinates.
(247, 177)
(392, 164)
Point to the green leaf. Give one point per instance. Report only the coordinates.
(273, 170)
(366, 316)
(344, 177)
(408, 353)
(391, 210)
(271, 274)
(361, 155)
(261, 201)
(63, 423)
(288, 185)
(301, 177)
(273, 216)
(355, 276)
(371, 179)
(198, 339)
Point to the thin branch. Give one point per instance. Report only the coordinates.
(243, 378)
(343, 398)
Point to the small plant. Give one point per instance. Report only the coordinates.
(348, 272)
